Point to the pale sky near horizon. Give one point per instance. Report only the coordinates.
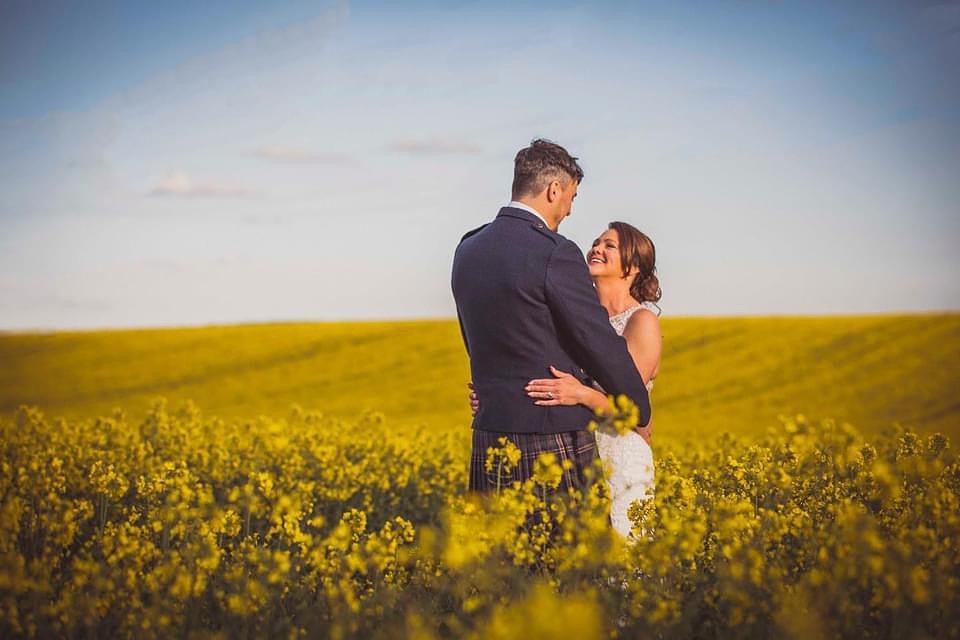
(191, 163)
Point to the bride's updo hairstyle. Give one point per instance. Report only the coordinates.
(637, 250)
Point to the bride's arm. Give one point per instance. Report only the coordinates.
(644, 342)
(564, 389)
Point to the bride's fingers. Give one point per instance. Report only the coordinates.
(538, 387)
(547, 403)
(540, 394)
(544, 391)
(553, 383)
(558, 373)
(543, 382)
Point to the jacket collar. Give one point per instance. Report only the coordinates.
(513, 212)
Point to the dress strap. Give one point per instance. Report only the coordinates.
(652, 307)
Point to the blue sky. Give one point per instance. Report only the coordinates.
(183, 163)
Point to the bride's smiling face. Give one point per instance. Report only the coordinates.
(603, 258)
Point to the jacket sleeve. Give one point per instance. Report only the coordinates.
(602, 353)
(453, 278)
(463, 334)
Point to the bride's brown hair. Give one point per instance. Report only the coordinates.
(637, 251)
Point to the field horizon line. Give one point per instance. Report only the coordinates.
(444, 319)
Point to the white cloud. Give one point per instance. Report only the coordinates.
(179, 184)
(21, 299)
(433, 146)
(300, 156)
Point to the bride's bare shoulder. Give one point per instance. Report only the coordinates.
(644, 320)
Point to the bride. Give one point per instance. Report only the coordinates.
(622, 263)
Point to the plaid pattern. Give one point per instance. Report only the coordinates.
(578, 446)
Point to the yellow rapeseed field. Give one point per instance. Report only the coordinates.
(315, 487)
(718, 374)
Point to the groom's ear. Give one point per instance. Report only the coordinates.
(554, 189)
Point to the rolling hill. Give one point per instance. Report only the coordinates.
(728, 374)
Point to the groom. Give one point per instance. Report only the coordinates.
(525, 301)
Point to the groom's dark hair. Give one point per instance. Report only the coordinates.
(540, 164)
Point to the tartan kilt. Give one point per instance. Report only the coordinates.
(580, 447)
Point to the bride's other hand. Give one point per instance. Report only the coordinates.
(646, 433)
(474, 400)
(563, 389)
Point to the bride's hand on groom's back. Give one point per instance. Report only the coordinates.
(474, 400)
(562, 389)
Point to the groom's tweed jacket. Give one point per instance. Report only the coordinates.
(525, 301)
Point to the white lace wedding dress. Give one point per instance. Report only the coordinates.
(629, 457)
